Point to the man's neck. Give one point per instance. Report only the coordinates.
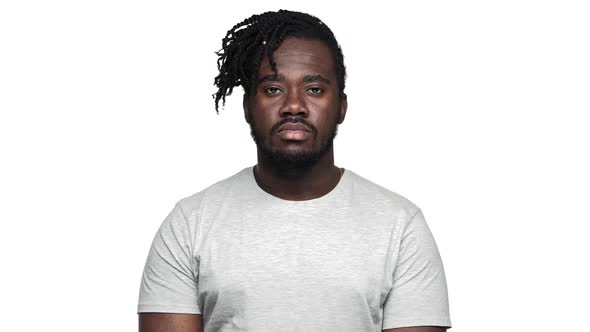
(298, 184)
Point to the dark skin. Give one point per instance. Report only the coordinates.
(164, 322)
(305, 91)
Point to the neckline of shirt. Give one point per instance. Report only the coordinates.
(334, 192)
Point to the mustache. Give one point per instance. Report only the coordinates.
(293, 120)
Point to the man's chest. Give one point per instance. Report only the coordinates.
(261, 260)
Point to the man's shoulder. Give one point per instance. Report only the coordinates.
(216, 192)
(381, 198)
(365, 194)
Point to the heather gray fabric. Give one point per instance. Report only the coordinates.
(360, 258)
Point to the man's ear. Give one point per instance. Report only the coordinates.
(343, 107)
(246, 108)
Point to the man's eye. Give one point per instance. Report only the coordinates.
(272, 90)
(315, 90)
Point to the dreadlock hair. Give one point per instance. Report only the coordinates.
(244, 46)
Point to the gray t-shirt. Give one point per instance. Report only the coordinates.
(359, 258)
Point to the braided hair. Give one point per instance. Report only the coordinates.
(245, 44)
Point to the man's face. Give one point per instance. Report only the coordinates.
(304, 93)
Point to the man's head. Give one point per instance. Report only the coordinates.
(292, 72)
(245, 45)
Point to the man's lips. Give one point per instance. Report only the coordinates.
(294, 135)
(294, 131)
(294, 126)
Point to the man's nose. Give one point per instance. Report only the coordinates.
(294, 104)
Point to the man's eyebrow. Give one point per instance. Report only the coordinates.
(306, 79)
(272, 78)
(315, 78)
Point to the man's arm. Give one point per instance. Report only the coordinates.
(418, 297)
(418, 329)
(168, 300)
(164, 322)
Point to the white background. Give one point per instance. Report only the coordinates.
(476, 111)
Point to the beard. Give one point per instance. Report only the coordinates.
(289, 160)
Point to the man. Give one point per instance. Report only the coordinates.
(293, 243)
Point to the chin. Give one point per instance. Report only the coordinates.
(294, 158)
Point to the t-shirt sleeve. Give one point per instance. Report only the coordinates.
(169, 280)
(419, 295)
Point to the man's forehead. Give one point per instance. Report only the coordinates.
(302, 51)
(306, 57)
